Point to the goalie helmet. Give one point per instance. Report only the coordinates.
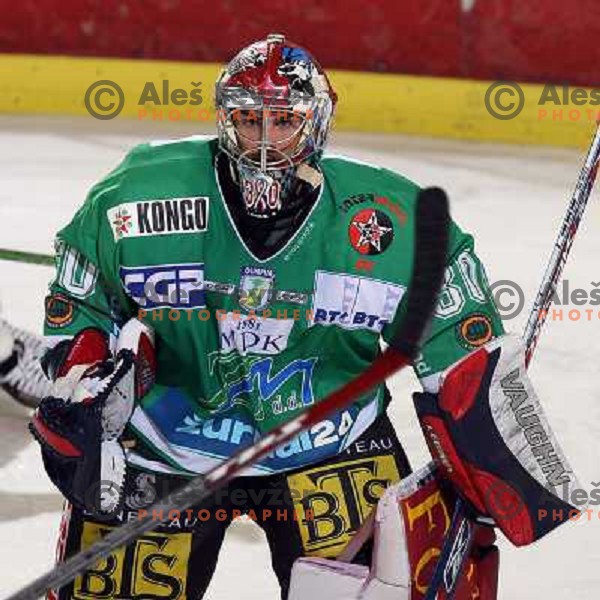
(274, 109)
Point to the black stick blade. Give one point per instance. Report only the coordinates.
(431, 248)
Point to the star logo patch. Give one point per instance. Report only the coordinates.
(122, 222)
(370, 231)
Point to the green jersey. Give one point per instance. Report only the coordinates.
(245, 344)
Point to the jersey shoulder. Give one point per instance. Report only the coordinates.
(353, 181)
(147, 163)
(339, 165)
(162, 152)
(150, 171)
(356, 182)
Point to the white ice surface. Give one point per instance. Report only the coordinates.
(511, 198)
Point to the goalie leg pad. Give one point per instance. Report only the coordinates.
(412, 519)
(487, 430)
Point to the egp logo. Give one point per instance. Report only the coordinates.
(165, 286)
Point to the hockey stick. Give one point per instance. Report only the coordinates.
(454, 553)
(562, 246)
(431, 239)
(26, 257)
(456, 547)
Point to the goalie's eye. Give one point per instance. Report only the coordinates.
(286, 122)
(248, 118)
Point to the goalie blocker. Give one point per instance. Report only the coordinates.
(488, 431)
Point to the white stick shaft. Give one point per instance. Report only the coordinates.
(562, 246)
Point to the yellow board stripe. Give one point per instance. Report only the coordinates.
(368, 102)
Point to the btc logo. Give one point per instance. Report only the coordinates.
(154, 567)
(332, 502)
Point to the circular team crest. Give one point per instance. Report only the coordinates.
(59, 311)
(370, 231)
(475, 331)
(256, 288)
